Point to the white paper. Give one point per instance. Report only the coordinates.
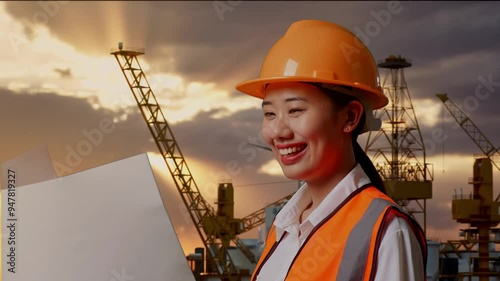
(106, 223)
(32, 166)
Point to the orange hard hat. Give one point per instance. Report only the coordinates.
(321, 52)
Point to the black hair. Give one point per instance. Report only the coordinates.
(364, 160)
(339, 101)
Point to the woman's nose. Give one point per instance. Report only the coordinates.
(281, 130)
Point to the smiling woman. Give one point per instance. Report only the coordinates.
(340, 225)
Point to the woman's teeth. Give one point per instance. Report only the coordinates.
(286, 151)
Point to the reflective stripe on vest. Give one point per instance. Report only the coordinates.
(355, 256)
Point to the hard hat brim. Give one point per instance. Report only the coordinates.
(371, 97)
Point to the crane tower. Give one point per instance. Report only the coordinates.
(479, 210)
(398, 150)
(216, 228)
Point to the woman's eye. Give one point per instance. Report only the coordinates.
(268, 114)
(295, 110)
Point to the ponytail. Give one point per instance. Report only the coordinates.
(363, 159)
(367, 166)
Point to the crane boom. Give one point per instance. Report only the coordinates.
(202, 214)
(258, 217)
(472, 130)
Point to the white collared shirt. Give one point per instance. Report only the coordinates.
(399, 256)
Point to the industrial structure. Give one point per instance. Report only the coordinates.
(472, 130)
(479, 210)
(397, 149)
(216, 228)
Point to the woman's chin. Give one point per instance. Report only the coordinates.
(293, 174)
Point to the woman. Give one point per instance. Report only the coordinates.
(319, 85)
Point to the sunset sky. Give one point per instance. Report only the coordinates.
(58, 83)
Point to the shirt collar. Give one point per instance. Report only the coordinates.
(287, 220)
(355, 179)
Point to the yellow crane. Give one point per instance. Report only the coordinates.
(472, 130)
(215, 228)
(478, 210)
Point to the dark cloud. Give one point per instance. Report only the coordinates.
(190, 37)
(432, 31)
(63, 123)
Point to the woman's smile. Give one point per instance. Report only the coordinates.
(291, 153)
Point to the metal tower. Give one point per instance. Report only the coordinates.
(216, 228)
(479, 210)
(398, 150)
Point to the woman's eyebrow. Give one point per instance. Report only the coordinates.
(266, 102)
(296, 99)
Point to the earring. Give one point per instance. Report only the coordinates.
(346, 129)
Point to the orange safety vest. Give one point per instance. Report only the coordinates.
(344, 246)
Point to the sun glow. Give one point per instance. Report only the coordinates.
(48, 65)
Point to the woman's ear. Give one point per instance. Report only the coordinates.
(354, 112)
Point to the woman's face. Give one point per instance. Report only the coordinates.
(304, 130)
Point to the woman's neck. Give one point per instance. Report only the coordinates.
(320, 188)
